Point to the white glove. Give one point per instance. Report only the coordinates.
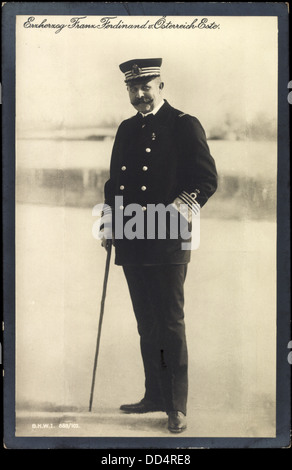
(106, 231)
(183, 209)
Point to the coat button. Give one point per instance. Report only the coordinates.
(122, 187)
(148, 150)
(143, 188)
(124, 168)
(145, 168)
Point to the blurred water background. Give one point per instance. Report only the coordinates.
(71, 168)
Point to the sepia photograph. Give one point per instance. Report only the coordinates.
(146, 196)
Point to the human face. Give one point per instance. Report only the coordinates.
(146, 95)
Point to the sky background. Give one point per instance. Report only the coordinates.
(72, 79)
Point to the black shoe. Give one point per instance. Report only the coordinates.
(177, 421)
(144, 406)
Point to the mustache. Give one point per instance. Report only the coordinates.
(141, 100)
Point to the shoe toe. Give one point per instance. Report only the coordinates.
(176, 421)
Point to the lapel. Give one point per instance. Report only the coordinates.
(162, 118)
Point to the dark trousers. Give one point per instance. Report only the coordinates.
(157, 294)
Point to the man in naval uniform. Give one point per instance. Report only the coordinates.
(160, 157)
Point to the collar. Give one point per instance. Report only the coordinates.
(155, 110)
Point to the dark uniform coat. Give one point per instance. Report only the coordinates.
(155, 162)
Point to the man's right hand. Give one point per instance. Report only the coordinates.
(106, 233)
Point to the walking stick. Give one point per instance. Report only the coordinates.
(107, 265)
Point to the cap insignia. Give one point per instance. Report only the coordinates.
(136, 70)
